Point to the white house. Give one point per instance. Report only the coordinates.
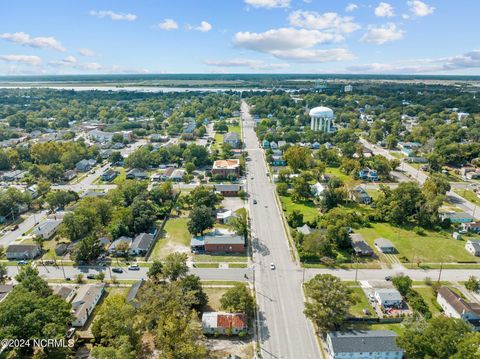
(223, 323)
(317, 189)
(47, 229)
(364, 344)
(85, 301)
(455, 306)
(388, 297)
(473, 247)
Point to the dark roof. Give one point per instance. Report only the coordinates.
(359, 245)
(143, 241)
(133, 292)
(457, 302)
(364, 341)
(227, 187)
(15, 248)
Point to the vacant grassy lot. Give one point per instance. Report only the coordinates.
(175, 238)
(361, 303)
(429, 297)
(335, 171)
(433, 247)
(468, 195)
(306, 207)
(214, 294)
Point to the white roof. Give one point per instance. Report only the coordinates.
(321, 111)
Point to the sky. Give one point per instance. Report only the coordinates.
(239, 36)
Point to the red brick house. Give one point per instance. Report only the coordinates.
(226, 168)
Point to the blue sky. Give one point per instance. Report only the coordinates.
(239, 36)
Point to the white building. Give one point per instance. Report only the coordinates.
(365, 344)
(321, 119)
(455, 306)
(348, 88)
(388, 297)
(473, 247)
(85, 301)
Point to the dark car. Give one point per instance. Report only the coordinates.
(90, 276)
(254, 201)
(117, 270)
(388, 278)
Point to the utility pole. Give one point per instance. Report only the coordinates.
(63, 269)
(440, 272)
(356, 270)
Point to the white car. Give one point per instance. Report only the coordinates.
(133, 267)
(272, 266)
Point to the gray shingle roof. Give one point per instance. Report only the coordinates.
(364, 341)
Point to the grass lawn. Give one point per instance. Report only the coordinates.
(374, 193)
(335, 171)
(306, 207)
(429, 297)
(433, 247)
(206, 265)
(219, 258)
(237, 265)
(468, 195)
(361, 303)
(398, 154)
(123, 291)
(214, 294)
(396, 327)
(176, 236)
(235, 129)
(122, 176)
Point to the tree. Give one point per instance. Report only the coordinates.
(295, 219)
(59, 199)
(200, 220)
(329, 303)
(298, 157)
(30, 280)
(301, 189)
(155, 270)
(472, 284)
(191, 283)
(469, 347)
(87, 250)
(115, 324)
(239, 223)
(203, 196)
(282, 188)
(3, 273)
(175, 266)
(403, 284)
(190, 167)
(417, 338)
(143, 214)
(238, 299)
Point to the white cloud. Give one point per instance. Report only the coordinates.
(113, 15)
(252, 64)
(70, 61)
(168, 24)
(203, 27)
(351, 7)
(419, 8)
(329, 21)
(293, 44)
(24, 59)
(382, 34)
(86, 52)
(384, 10)
(315, 55)
(442, 65)
(42, 42)
(268, 4)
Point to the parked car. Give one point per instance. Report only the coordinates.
(133, 267)
(117, 270)
(272, 266)
(254, 201)
(91, 276)
(15, 227)
(22, 262)
(388, 278)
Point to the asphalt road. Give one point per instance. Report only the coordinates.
(421, 177)
(284, 331)
(23, 227)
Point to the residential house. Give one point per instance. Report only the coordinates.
(454, 306)
(277, 160)
(473, 247)
(232, 139)
(281, 144)
(226, 168)
(218, 242)
(109, 175)
(66, 292)
(385, 246)
(112, 249)
(177, 175)
(363, 344)
(117, 146)
(224, 216)
(228, 190)
(416, 159)
(265, 144)
(368, 174)
(22, 251)
(85, 165)
(456, 217)
(360, 247)
(47, 228)
(316, 145)
(165, 176)
(85, 301)
(142, 244)
(305, 230)
(12, 176)
(100, 136)
(137, 173)
(273, 145)
(224, 323)
(69, 175)
(133, 293)
(360, 195)
(105, 153)
(471, 227)
(389, 297)
(317, 189)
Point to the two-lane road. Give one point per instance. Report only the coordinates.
(284, 331)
